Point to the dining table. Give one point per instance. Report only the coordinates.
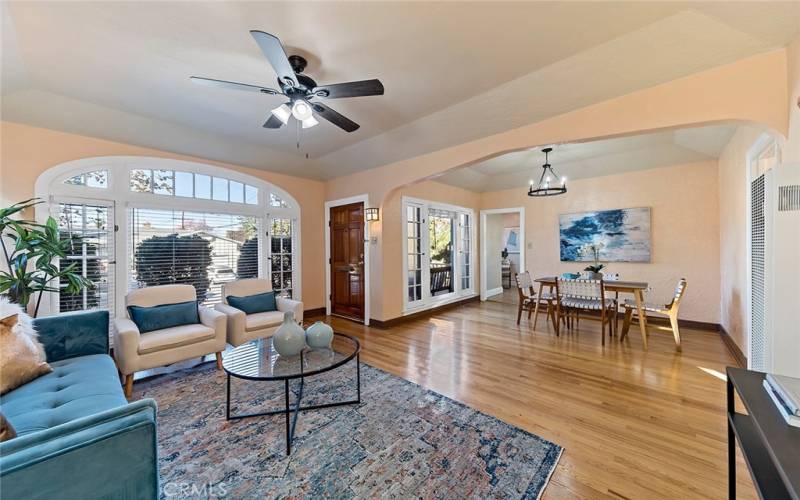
(636, 288)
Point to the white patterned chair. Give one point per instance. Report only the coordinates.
(246, 327)
(670, 310)
(576, 295)
(135, 351)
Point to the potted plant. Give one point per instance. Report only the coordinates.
(593, 250)
(32, 256)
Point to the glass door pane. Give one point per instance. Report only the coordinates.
(89, 227)
(465, 244)
(414, 253)
(441, 229)
(281, 256)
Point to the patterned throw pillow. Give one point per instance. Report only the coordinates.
(22, 357)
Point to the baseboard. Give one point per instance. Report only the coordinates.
(384, 324)
(494, 291)
(734, 349)
(313, 313)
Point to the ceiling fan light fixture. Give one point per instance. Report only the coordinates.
(301, 110)
(282, 113)
(309, 122)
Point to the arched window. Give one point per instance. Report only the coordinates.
(148, 221)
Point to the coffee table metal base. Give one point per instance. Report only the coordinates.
(291, 420)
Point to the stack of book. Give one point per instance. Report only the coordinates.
(785, 393)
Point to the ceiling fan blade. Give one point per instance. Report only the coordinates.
(350, 89)
(273, 122)
(337, 119)
(273, 50)
(233, 85)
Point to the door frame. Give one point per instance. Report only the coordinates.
(361, 198)
(523, 246)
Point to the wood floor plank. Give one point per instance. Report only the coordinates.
(634, 424)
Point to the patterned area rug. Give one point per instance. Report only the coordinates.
(401, 441)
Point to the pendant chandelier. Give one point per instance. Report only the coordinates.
(548, 182)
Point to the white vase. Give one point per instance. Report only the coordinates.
(289, 339)
(319, 335)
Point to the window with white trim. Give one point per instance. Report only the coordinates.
(439, 241)
(200, 249)
(94, 178)
(179, 222)
(191, 185)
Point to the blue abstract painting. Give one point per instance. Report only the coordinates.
(623, 235)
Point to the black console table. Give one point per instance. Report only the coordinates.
(770, 446)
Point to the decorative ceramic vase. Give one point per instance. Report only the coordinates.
(591, 275)
(289, 339)
(319, 335)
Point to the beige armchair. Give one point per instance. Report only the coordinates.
(135, 351)
(245, 327)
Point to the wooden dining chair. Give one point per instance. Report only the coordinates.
(545, 299)
(670, 310)
(574, 296)
(526, 294)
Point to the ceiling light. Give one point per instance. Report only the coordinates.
(301, 110)
(543, 187)
(282, 113)
(310, 122)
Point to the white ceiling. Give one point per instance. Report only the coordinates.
(452, 71)
(594, 159)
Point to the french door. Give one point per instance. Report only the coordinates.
(89, 227)
(438, 242)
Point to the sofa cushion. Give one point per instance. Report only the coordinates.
(149, 319)
(77, 387)
(263, 320)
(176, 336)
(252, 304)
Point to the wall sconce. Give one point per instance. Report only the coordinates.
(372, 214)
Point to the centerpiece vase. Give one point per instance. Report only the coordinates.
(319, 335)
(289, 339)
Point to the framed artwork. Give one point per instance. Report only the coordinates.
(511, 239)
(622, 235)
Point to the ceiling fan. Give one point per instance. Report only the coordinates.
(299, 88)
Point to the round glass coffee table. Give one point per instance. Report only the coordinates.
(259, 361)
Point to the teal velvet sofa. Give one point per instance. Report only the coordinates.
(77, 435)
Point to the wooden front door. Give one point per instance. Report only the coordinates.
(347, 260)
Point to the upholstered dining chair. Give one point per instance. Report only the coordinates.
(670, 310)
(136, 350)
(526, 294)
(576, 295)
(243, 327)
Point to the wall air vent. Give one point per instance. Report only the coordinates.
(789, 198)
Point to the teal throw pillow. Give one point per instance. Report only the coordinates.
(251, 304)
(164, 316)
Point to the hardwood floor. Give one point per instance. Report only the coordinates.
(633, 424)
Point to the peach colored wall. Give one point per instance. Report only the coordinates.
(27, 151)
(685, 229)
(733, 176)
(791, 149)
(750, 90)
(388, 286)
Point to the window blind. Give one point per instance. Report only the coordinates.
(204, 250)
